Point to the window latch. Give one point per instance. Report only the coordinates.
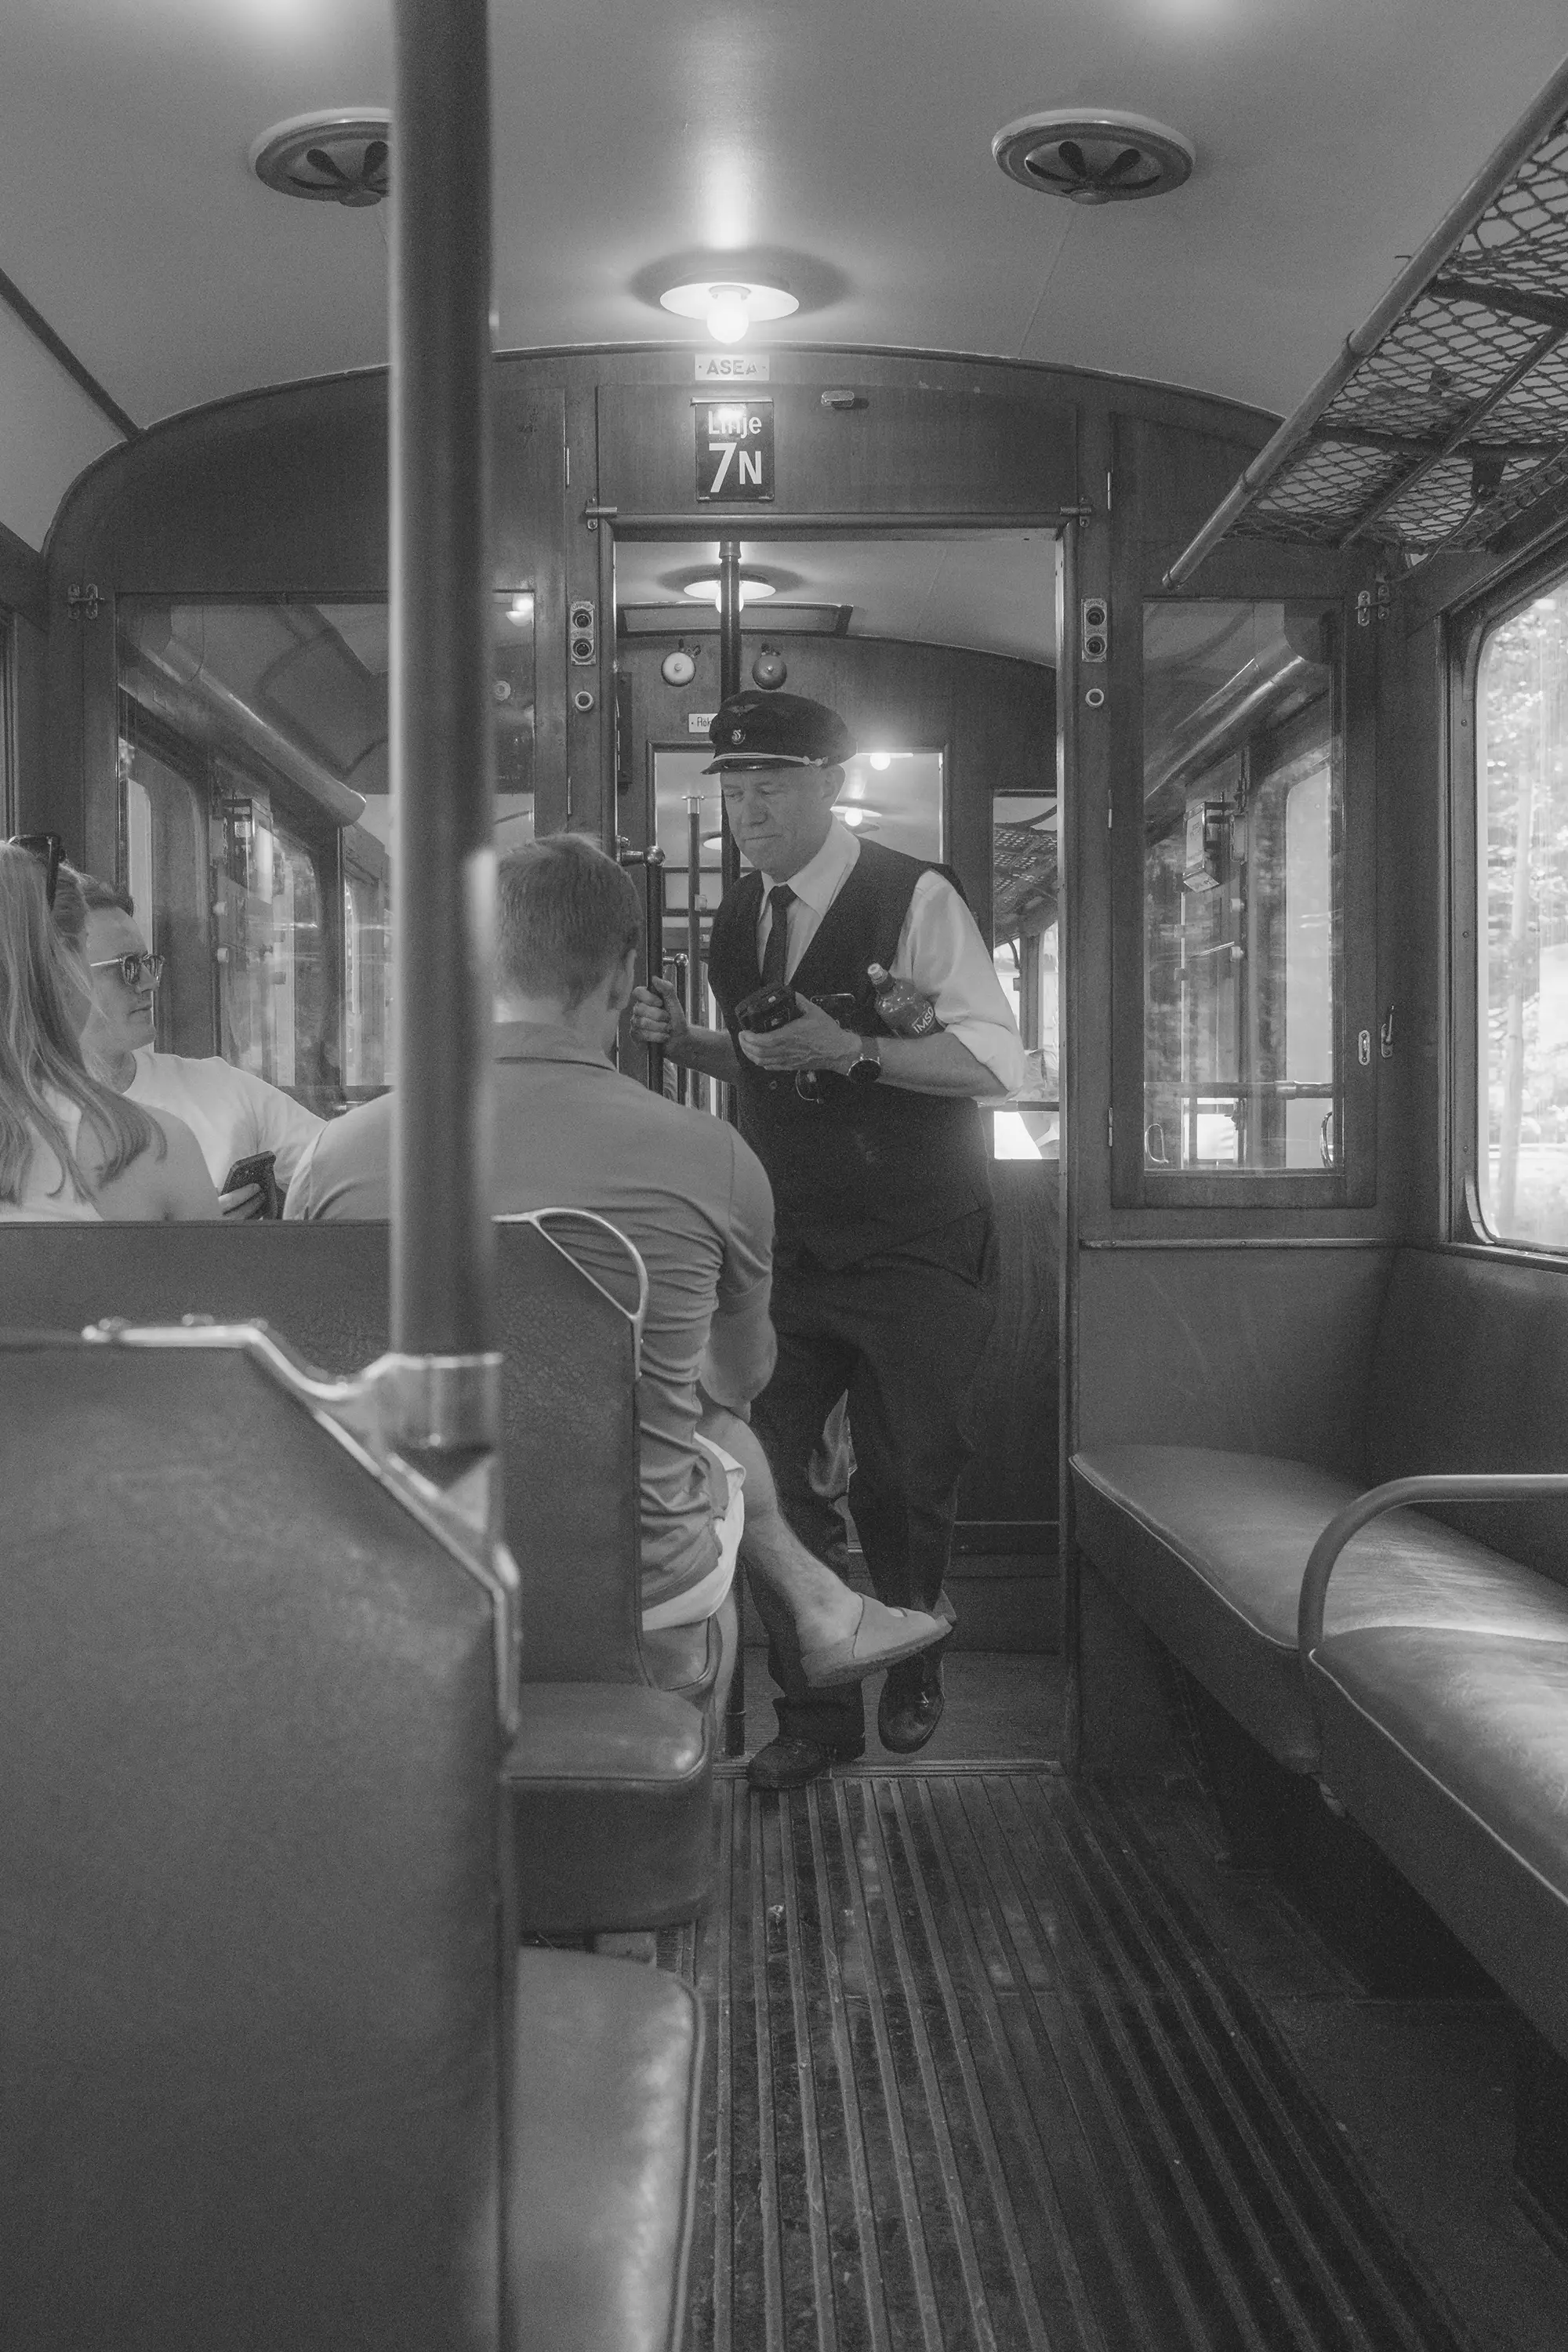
(1385, 1036)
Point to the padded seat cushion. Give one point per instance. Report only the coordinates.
(608, 2072)
(611, 1787)
(1210, 1549)
(1450, 1746)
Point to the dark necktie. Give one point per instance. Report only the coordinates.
(775, 955)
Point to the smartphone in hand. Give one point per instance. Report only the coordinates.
(257, 1169)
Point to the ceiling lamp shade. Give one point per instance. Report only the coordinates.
(1094, 157)
(706, 590)
(337, 156)
(727, 306)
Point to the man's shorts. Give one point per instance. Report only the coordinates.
(706, 1598)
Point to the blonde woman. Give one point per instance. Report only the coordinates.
(71, 1148)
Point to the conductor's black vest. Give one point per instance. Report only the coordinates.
(867, 1168)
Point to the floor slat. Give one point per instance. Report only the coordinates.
(980, 2081)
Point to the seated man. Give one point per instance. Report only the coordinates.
(690, 1195)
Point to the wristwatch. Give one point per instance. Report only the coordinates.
(867, 1068)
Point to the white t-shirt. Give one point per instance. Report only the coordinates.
(47, 1196)
(232, 1114)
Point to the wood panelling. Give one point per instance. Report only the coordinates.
(23, 580)
(29, 738)
(902, 449)
(1252, 1350)
(1013, 1410)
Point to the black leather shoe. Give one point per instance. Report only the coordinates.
(791, 1763)
(911, 1703)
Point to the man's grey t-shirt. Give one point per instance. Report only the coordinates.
(683, 1188)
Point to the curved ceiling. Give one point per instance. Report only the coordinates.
(849, 146)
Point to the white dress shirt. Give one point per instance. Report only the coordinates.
(939, 951)
(232, 1113)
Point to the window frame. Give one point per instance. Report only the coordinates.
(1465, 631)
(1352, 1185)
(9, 742)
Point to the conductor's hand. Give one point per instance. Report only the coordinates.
(658, 1017)
(813, 1040)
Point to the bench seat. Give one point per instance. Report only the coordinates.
(601, 2188)
(611, 1808)
(1209, 1548)
(1449, 1745)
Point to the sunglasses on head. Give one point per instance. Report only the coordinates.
(131, 966)
(48, 848)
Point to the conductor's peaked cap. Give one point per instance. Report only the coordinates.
(777, 730)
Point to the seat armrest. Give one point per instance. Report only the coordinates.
(1406, 1494)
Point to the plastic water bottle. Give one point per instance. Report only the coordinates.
(903, 1009)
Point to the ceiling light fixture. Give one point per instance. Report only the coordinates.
(727, 306)
(1094, 157)
(753, 589)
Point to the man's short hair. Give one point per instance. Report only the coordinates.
(565, 915)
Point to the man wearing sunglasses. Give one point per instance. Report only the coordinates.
(233, 1113)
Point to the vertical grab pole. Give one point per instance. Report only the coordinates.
(729, 684)
(442, 758)
(695, 1011)
(729, 678)
(729, 618)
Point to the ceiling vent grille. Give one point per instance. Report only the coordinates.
(1108, 158)
(337, 157)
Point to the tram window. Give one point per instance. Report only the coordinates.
(1522, 735)
(1242, 890)
(1026, 1125)
(256, 822)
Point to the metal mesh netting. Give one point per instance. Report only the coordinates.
(1459, 420)
(1024, 873)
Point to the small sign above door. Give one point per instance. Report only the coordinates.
(733, 367)
(734, 450)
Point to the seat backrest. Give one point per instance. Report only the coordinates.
(255, 1924)
(568, 1393)
(1469, 1373)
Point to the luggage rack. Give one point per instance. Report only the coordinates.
(1445, 418)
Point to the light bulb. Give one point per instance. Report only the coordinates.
(854, 816)
(728, 317)
(521, 609)
(881, 761)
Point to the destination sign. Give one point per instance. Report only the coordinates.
(734, 451)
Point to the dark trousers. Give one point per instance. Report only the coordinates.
(904, 1335)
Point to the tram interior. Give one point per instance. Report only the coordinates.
(397, 1950)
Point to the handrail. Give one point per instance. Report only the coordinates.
(1441, 1486)
(1535, 124)
(637, 1317)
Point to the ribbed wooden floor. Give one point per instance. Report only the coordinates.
(977, 2077)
